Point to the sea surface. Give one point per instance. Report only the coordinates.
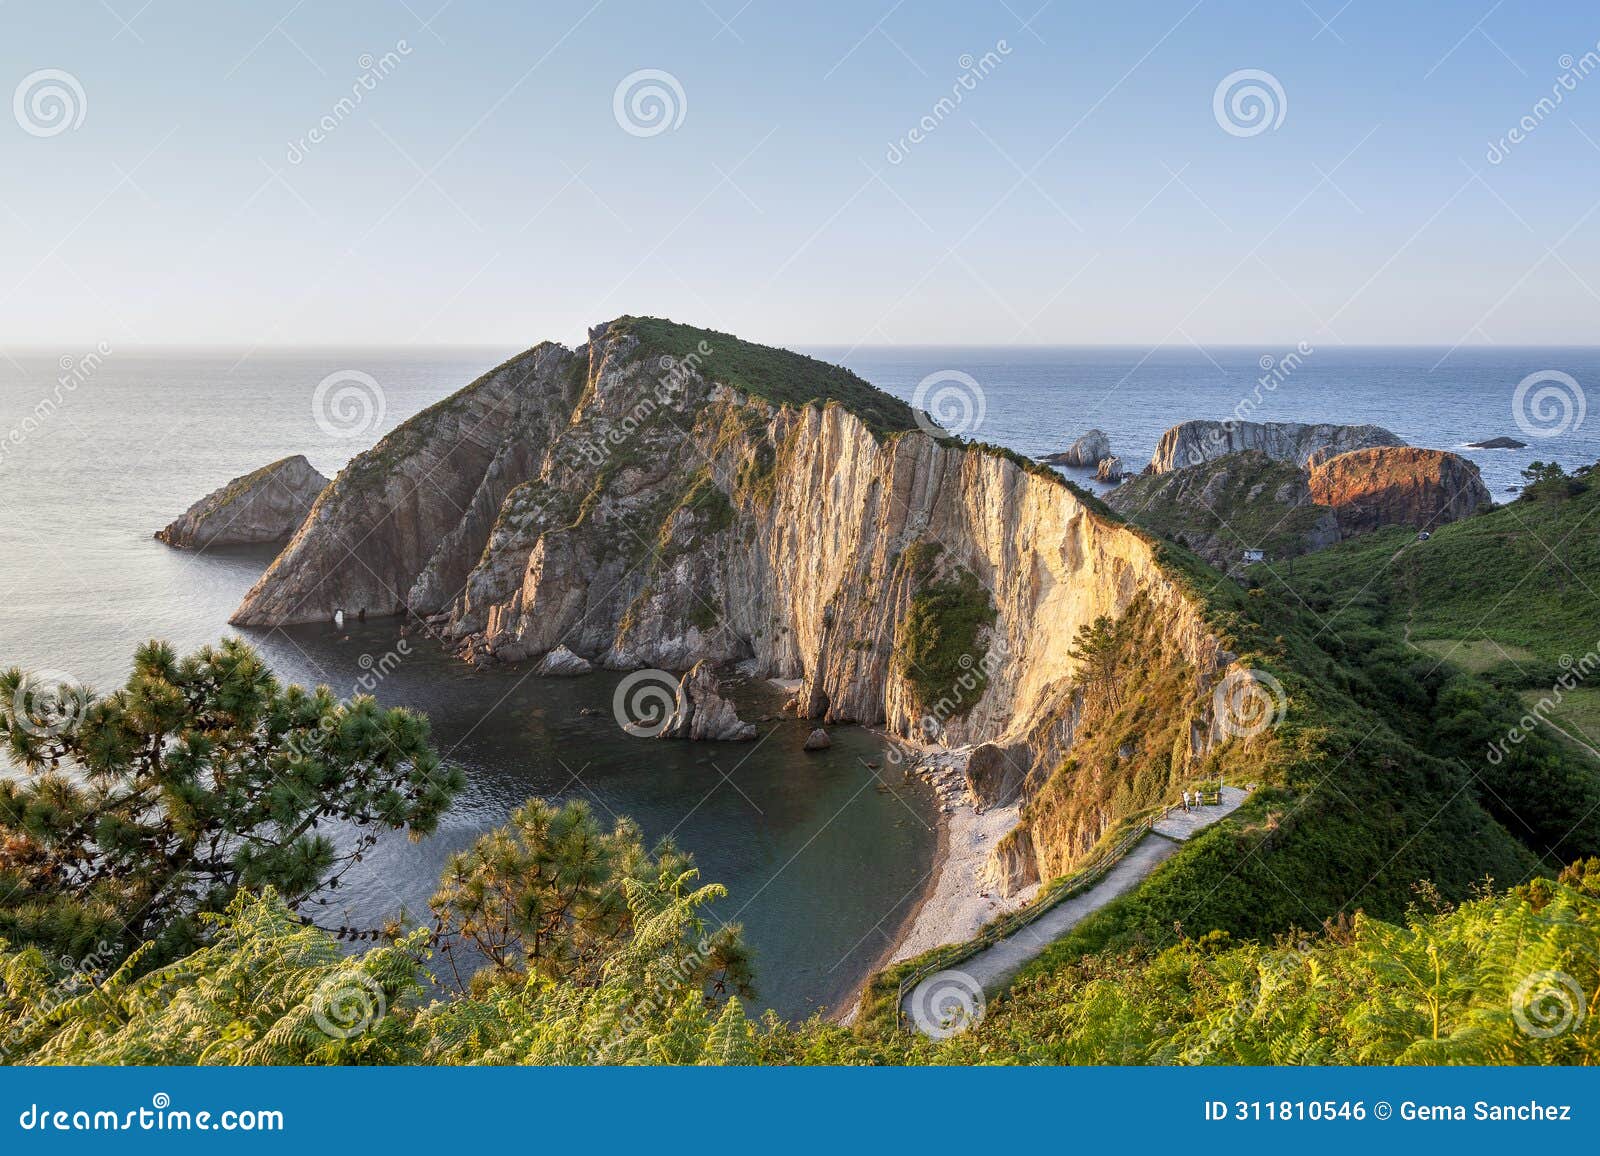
(821, 856)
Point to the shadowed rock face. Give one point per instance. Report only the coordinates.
(404, 522)
(1194, 443)
(1421, 488)
(267, 505)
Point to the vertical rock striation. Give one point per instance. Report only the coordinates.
(669, 497)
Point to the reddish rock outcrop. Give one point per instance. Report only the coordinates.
(1398, 486)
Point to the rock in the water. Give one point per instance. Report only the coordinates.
(265, 506)
(562, 663)
(1194, 443)
(1372, 488)
(1110, 470)
(1499, 443)
(818, 740)
(703, 714)
(1091, 449)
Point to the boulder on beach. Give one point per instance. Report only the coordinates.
(818, 740)
(266, 505)
(1090, 450)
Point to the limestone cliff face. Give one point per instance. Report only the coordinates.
(267, 505)
(1420, 488)
(648, 513)
(1194, 443)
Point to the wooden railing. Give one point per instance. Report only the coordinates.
(1085, 877)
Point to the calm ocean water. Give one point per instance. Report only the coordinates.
(819, 862)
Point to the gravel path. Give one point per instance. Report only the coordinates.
(995, 966)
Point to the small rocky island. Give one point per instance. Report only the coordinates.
(266, 505)
(1087, 452)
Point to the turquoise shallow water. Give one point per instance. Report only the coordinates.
(821, 860)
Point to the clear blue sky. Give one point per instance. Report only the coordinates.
(1082, 192)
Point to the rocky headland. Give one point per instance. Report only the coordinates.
(676, 498)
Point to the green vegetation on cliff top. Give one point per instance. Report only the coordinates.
(778, 376)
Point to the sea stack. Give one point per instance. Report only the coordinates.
(267, 505)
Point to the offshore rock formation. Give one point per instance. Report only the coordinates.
(1249, 501)
(1110, 470)
(1424, 489)
(703, 714)
(666, 497)
(1193, 443)
(1090, 450)
(267, 505)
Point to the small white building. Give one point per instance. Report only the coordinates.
(1254, 556)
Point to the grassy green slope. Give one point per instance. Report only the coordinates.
(778, 376)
